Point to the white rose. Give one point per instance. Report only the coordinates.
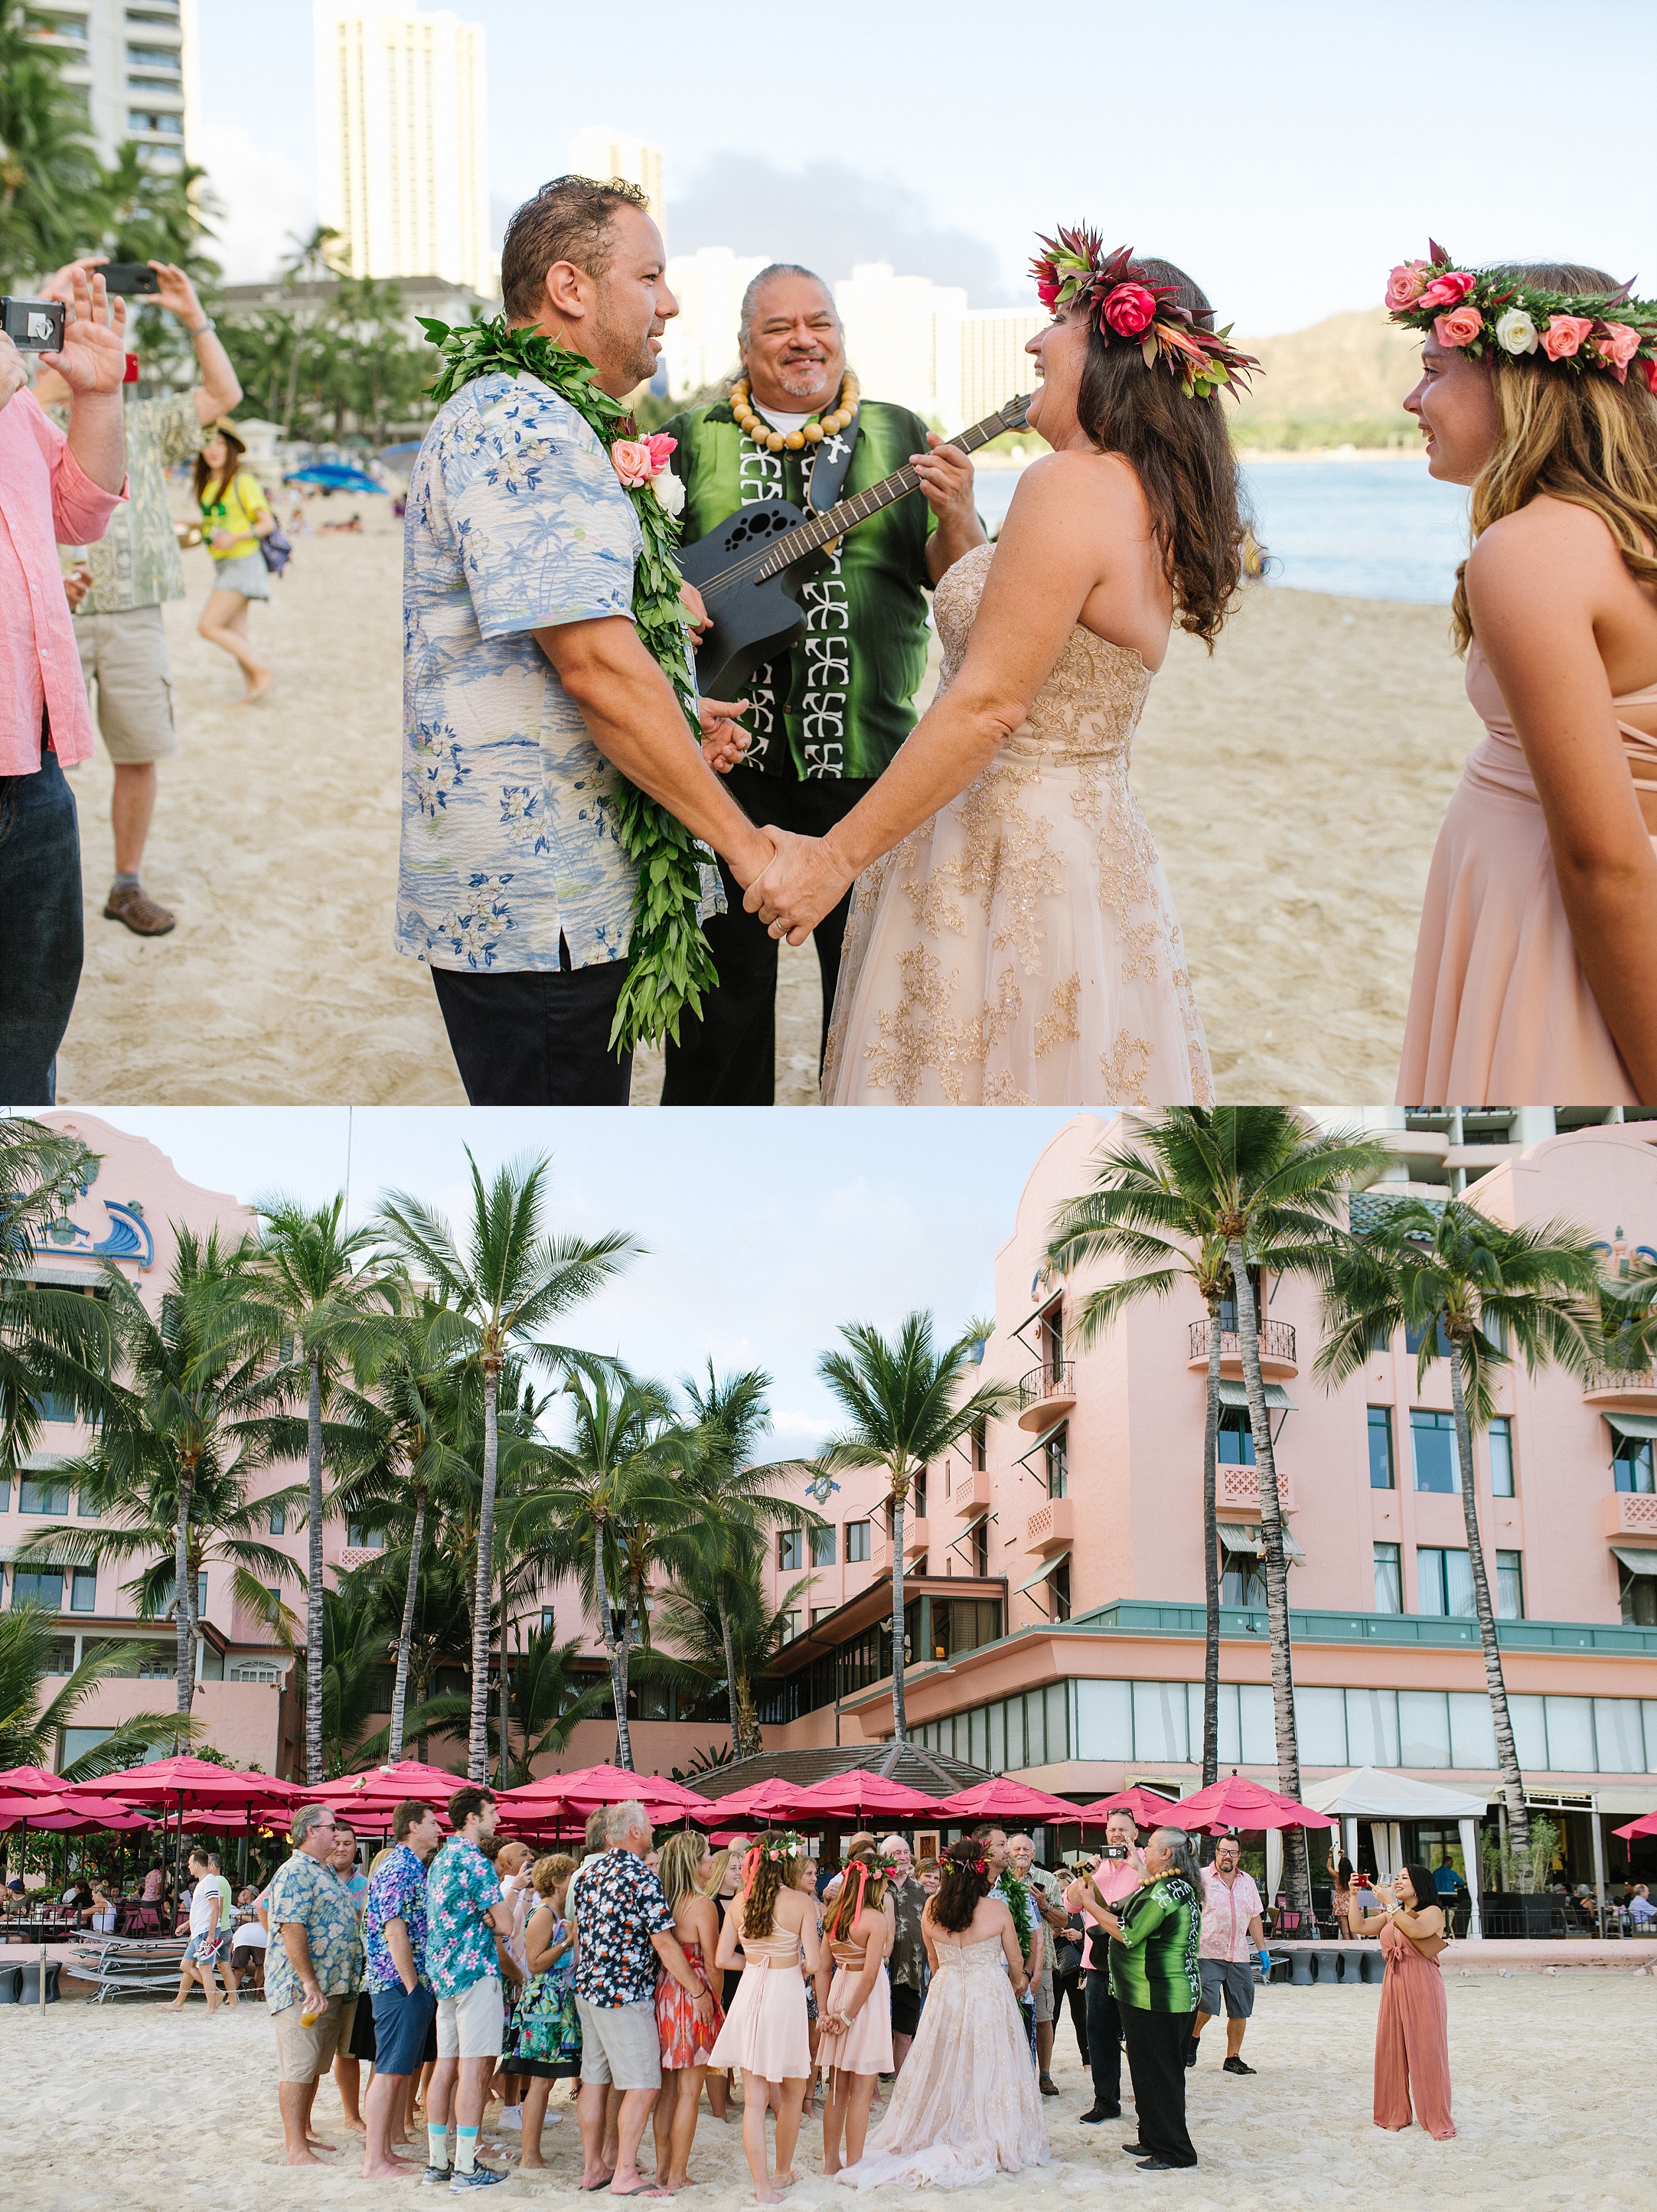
(1516, 332)
(670, 491)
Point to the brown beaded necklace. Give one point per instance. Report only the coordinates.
(755, 426)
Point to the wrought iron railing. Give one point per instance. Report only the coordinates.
(1277, 1341)
(1054, 1378)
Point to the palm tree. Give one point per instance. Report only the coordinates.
(1271, 1193)
(54, 1343)
(1449, 1273)
(547, 1702)
(727, 1639)
(336, 1306)
(904, 1402)
(29, 1727)
(610, 1494)
(50, 196)
(509, 1283)
(1135, 1213)
(736, 1502)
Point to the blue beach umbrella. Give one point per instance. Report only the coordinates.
(335, 476)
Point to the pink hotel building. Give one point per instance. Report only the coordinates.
(1055, 1601)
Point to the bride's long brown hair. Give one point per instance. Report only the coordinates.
(1181, 452)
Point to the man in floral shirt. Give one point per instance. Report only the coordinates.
(623, 1924)
(404, 2008)
(464, 1915)
(314, 1965)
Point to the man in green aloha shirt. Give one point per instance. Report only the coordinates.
(827, 717)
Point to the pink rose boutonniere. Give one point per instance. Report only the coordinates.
(1564, 334)
(1447, 291)
(636, 461)
(1459, 327)
(1406, 284)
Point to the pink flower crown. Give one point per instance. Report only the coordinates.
(1473, 310)
(1123, 303)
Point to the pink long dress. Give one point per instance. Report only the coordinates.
(766, 2031)
(1412, 2040)
(1500, 1010)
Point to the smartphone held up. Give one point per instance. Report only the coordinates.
(34, 325)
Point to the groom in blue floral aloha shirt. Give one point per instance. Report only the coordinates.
(526, 688)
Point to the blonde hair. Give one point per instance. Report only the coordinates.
(548, 1872)
(716, 1876)
(1585, 439)
(374, 1864)
(677, 1866)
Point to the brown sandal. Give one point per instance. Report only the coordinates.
(141, 914)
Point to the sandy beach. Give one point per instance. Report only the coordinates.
(1294, 783)
(120, 2106)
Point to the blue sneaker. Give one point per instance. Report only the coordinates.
(480, 2177)
(437, 2177)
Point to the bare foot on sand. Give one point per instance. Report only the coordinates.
(389, 2169)
(257, 689)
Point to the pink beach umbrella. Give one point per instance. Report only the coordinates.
(1003, 1799)
(590, 1787)
(67, 1816)
(30, 1782)
(1149, 1810)
(862, 1792)
(1645, 1825)
(773, 1799)
(373, 1795)
(1235, 1801)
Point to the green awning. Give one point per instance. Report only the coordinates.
(1249, 1538)
(977, 1521)
(1636, 1562)
(1050, 1567)
(1277, 1399)
(1632, 1425)
(1044, 1439)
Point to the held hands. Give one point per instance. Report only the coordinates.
(92, 362)
(724, 740)
(946, 476)
(799, 886)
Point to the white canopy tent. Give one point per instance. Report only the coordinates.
(1384, 1798)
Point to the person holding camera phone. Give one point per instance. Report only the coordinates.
(57, 485)
(1117, 1873)
(1412, 2033)
(132, 571)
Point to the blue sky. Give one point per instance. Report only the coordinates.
(1288, 153)
(764, 1232)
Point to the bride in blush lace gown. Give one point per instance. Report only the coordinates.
(1013, 940)
(966, 2106)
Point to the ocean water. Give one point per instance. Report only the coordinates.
(1367, 530)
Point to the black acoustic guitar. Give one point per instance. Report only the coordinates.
(751, 568)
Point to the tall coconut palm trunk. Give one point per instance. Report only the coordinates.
(406, 1633)
(477, 1739)
(1506, 1751)
(1271, 1529)
(506, 1691)
(900, 1718)
(729, 1642)
(1211, 1559)
(613, 1650)
(183, 1611)
(314, 1560)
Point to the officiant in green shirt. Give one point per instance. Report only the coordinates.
(827, 716)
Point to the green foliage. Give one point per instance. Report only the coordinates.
(1307, 434)
(51, 193)
(1533, 1867)
(30, 1721)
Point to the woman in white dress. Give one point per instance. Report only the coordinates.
(1013, 940)
(966, 2106)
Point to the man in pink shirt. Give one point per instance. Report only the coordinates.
(1232, 1932)
(1115, 1875)
(55, 488)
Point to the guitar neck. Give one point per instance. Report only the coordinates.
(807, 537)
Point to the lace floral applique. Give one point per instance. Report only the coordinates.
(920, 1035)
(1124, 1068)
(1059, 1027)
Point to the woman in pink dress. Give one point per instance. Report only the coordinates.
(1412, 2038)
(854, 2010)
(1535, 970)
(774, 1927)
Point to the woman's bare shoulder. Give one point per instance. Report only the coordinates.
(1079, 479)
(1555, 536)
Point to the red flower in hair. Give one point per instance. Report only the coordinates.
(1130, 310)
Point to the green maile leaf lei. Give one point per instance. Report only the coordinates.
(669, 965)
(1018, 1903)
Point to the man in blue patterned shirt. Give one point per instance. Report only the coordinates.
(312, 1972)
(526, 687)
(404, 2008)
(463, 1916)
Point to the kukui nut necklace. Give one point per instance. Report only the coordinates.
(812, 434)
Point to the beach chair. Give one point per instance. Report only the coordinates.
(117, 1966)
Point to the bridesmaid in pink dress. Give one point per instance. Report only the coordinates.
(774, 1927)
(1535, 970)
(855, 2009)
(1412, 2040)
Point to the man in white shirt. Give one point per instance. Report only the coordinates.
(209, 1944)
(1232, 1932)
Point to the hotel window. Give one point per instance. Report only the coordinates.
(1229, 1322)
(1059, 1583)
(87, 1507)
(856, 1541)
(1444, 1582)
(822, 1548)
(1414, 1337)
(791, 1551)
(1433, 1441)
(1057, 1471)
(981, 1547)
(52, 1406)
(38, 1586)
(1380, 1448)
(548, 1620)
(277, 1523)
(1234, 1446)
(172, 126)
(37, 1496)
(273, 1591)
(820, 1612)
(980, 1446)
(1638, 1593)
(83, 1590)
(5, 1494)
(1631, 1463)
(1510, 1586)
(790, 1626)
(1389, 1580)
(1242, 1580)
(359, 1539)
(1502, 1458)
(917, 1496)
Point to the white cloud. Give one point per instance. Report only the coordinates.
(263, 197)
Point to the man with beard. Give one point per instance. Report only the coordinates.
(826, 717)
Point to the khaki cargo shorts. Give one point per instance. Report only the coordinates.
(305, 2054)
(125, 656)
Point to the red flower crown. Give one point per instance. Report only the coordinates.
(1123, 303)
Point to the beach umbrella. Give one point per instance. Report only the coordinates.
(1003, 1799)
(1235, 1802)
(334, 476)
(861, 1791)
(66, 1816)
(773, 1799)
(30, 1782)
(590, 1787)
(1148, 1808)
(184, 1784)
(1645, 1825)
(372, 1797)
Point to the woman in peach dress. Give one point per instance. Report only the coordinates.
(1535, 970)
(1412, 2031)
(1013, 940)
(774, 1927)
(854, 2008)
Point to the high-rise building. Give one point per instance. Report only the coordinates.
(134, 63)
(699, 344)
(599, 151)
(903, 338)
(994, 364)
(402, 143)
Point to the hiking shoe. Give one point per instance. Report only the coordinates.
(1236, 2066)
(437, 2177)
(138, 911)
(481, 2176)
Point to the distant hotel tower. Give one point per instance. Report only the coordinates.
(402, 151)
(134, 66)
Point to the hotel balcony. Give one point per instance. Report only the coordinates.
(972, 1493)
(1051, 1527)
(1046, 1395)
(1277, 1358)
(917, 1538)
(1630, 1513)
(1624, 1389)
(1237, 1492)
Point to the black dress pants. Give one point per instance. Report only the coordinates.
(1104, 2037)
(536, 1037)
(729, 1058)
(1156, 2060)
(1067, 1987)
